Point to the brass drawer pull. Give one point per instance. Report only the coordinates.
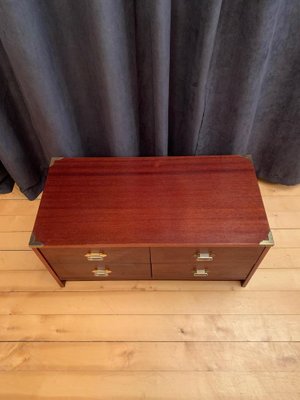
(101, 272)
(204, 256)
(201, 272)
(95, 256)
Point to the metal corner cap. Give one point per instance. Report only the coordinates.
(53, 159)
(267, 242)
(33, 242)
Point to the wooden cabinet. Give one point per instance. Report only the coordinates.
(199, 218)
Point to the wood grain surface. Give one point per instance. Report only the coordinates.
(151, 201)
(190, 328)
(25, 385)
(238, 357)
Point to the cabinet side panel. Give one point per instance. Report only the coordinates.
(255, 266)
(48, 266)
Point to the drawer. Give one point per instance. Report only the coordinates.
(212, 255)
(126, 255)
(205, 271)
(101, 271)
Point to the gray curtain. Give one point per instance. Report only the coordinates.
(148, 77)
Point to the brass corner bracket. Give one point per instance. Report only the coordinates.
(33, 242)
(53, 159)
(267, 242)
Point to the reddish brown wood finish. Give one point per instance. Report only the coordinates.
(153, 201)
(49, 268)
(221, 255)
(219, 272)
(113, 255)
(150, 216)
(255, 266)
(118, 271)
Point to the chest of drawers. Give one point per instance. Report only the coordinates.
(187, 218)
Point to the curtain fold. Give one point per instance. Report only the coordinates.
(6, 182)
(194, 27)
(159, 77)
(153, 33)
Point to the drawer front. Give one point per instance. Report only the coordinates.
(101, 271)
(212, 255)
(205, 271)
(130, 255)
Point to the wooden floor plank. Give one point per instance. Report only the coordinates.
(275, 279)
(271, 189)
(19, 207)
(14, 240)
(286, 238)
(285, 258)
(88, 303)
(15, 194)
(149, 385)
(282, 203)
(284, 219)
(151, 356)
(170, 328)
(16, 223)
(20, 260)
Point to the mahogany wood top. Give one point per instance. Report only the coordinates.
(151, 201)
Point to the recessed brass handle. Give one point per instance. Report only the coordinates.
(204, 256)
(200, 272)
(101, 272)
(95, 256)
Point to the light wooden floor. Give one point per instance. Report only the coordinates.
(150, 340)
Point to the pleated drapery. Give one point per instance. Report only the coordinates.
(148, 77)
